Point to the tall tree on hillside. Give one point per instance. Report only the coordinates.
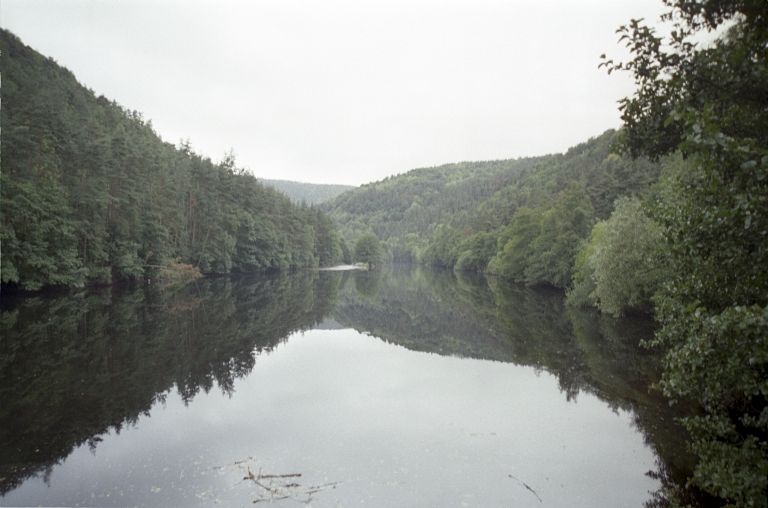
(710, 102)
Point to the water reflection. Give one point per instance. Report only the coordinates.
(74, 366)
(75, 369)
(468, 315)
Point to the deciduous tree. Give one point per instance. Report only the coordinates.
(368, 249)
(710, 102)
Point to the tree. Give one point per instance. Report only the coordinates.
(476, 252)
(563, 228)
(710, 102)
(368, 249)
(346, 256)
(515, 244)
(689, 96)
(621, 267)
(443, 249)
(582, 292)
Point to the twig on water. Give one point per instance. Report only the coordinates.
(527, 487)
(275, 487)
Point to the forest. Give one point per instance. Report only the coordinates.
(91, 194)
(463, 215)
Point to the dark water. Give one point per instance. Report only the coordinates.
(407, 387)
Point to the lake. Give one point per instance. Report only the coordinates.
(397, 387)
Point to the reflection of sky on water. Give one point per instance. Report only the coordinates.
(395, 427)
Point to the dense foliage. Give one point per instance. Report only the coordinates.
(524, 219)
(540, 246)
(90, 193)
(368, 249)
(415, 203)
(710, 103)
(622, 265)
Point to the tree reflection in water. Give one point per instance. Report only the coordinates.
(76, 365)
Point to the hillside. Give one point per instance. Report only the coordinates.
(418, 201)
(310, 193)
(91, 194)
(445, 214)
(604, 175)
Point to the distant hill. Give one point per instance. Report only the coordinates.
(311, 193)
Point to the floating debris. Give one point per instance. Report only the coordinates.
(276, 487)
(527, 487)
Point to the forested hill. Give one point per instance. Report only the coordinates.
(90, 193)
(463, 215)
(310, 193)
(419, 200)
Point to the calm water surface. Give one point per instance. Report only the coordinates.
(402, 388)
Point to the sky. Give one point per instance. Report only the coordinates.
(347, 92)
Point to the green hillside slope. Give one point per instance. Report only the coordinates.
(464, 215)
(418, 201)
(604, 175)
(90, 193)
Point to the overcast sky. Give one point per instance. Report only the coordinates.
(347, 92)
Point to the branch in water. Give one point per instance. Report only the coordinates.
(527, 487)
